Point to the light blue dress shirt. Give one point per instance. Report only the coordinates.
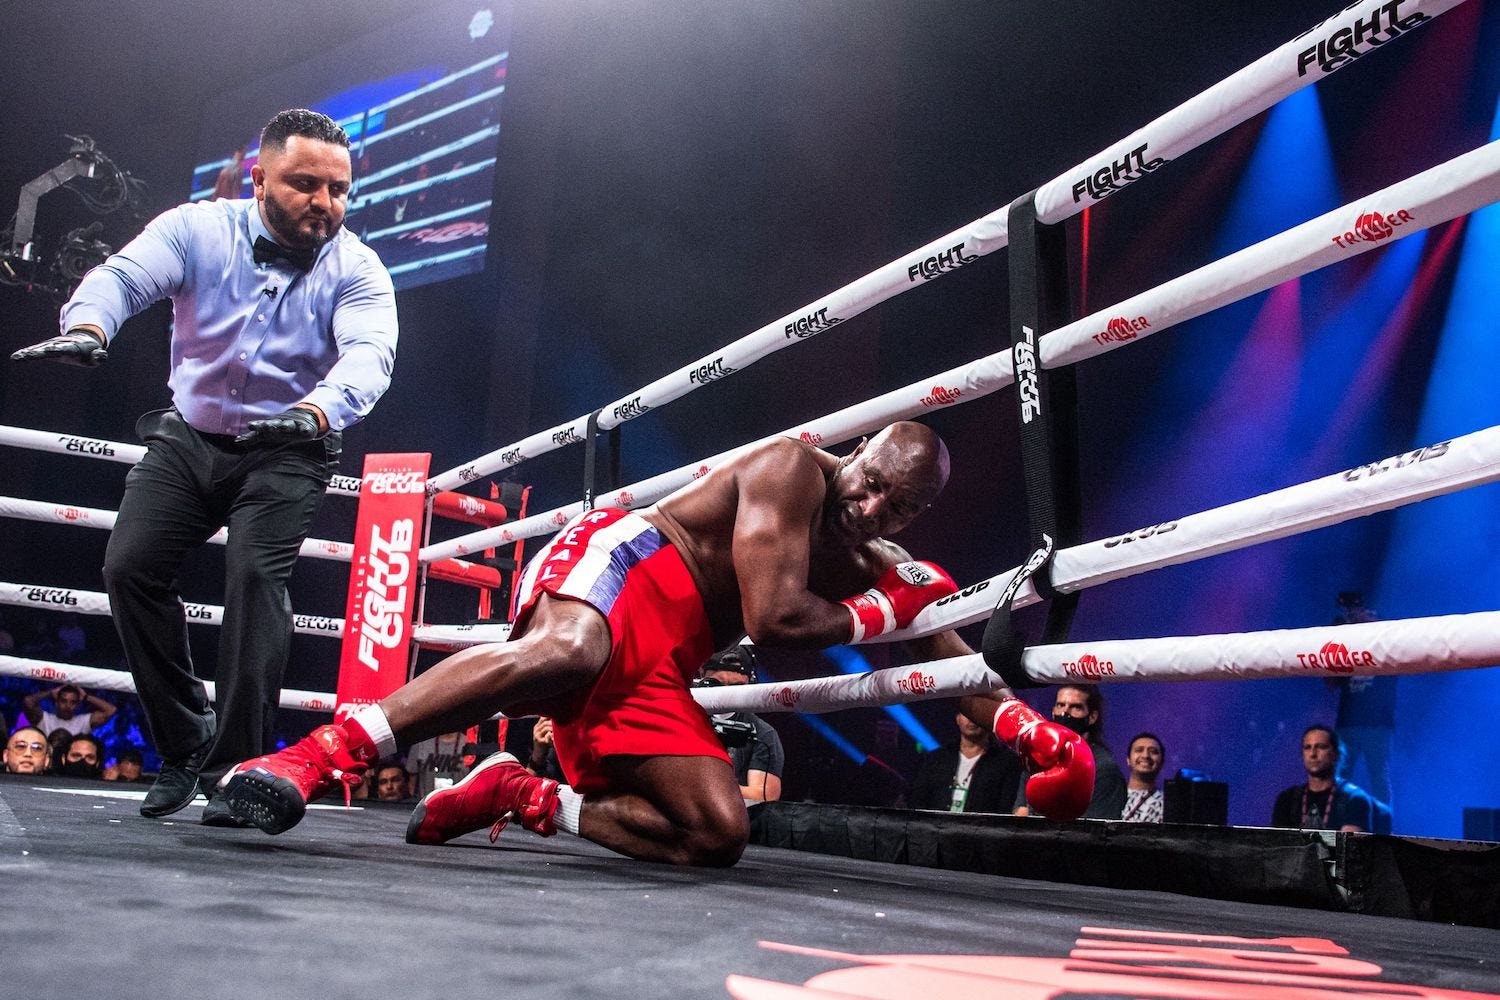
(250, 340)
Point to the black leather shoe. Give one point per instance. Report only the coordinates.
(218, 813)
(175, 785)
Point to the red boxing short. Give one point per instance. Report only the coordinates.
(641, 703)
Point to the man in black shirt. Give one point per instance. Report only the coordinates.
(1323, 802)
(1080, 707)
(970, 774)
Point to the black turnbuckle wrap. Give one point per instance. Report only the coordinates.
(590, 460)
(591, 483)
(1047, 405)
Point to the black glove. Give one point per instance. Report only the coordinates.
(289, 427)
(76, 347)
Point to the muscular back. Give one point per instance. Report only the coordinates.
(754, 536)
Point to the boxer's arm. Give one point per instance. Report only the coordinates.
(977, 708)
(780, 492)
(1059, 764)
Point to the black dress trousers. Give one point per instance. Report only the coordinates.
(188, 486)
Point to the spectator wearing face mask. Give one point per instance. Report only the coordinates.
(84, 758)
(1080, 707)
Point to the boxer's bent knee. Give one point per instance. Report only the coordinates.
(719, 837)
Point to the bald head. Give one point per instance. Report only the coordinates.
(916, 453)
(882, 486)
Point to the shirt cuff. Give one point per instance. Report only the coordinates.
(83, 315)
(331, 402)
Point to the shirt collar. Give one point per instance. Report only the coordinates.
(256, 226)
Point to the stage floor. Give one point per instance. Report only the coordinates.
(105, 903)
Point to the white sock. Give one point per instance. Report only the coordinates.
(569, 806)
(372, 719)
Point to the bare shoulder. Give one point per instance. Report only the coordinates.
(785, 449)
(784, 460)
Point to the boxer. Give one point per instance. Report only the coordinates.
(616, 615)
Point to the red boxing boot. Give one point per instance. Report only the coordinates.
(273, 791)
(488, 796)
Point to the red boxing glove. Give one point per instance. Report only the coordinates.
(897, 596)
(1062, 781)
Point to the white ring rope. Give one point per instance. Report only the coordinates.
(1439, 468)
(92, 602)
(1355, 31)
(1406, 646)
(93, 517)
(1461, 185)
(119, 680)
(114, 451)
(1336, 42)
(1457, 187)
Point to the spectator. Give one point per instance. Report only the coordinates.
(392, 783)
(1080, 707)
(127, 766)
(438, 762)
(84, 757)
(27, 752)
(1323, 802)
(759, 760)
(57, 746)
(1143, 799)
(968, 774)
(231, 177)
(66, 700)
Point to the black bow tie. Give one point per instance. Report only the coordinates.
(267, 252)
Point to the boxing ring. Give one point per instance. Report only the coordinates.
(563, 917)
(898, 915)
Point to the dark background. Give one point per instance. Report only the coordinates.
(673, 175)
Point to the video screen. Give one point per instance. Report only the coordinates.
(420, 99)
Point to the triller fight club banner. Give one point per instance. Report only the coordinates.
(382, 580)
